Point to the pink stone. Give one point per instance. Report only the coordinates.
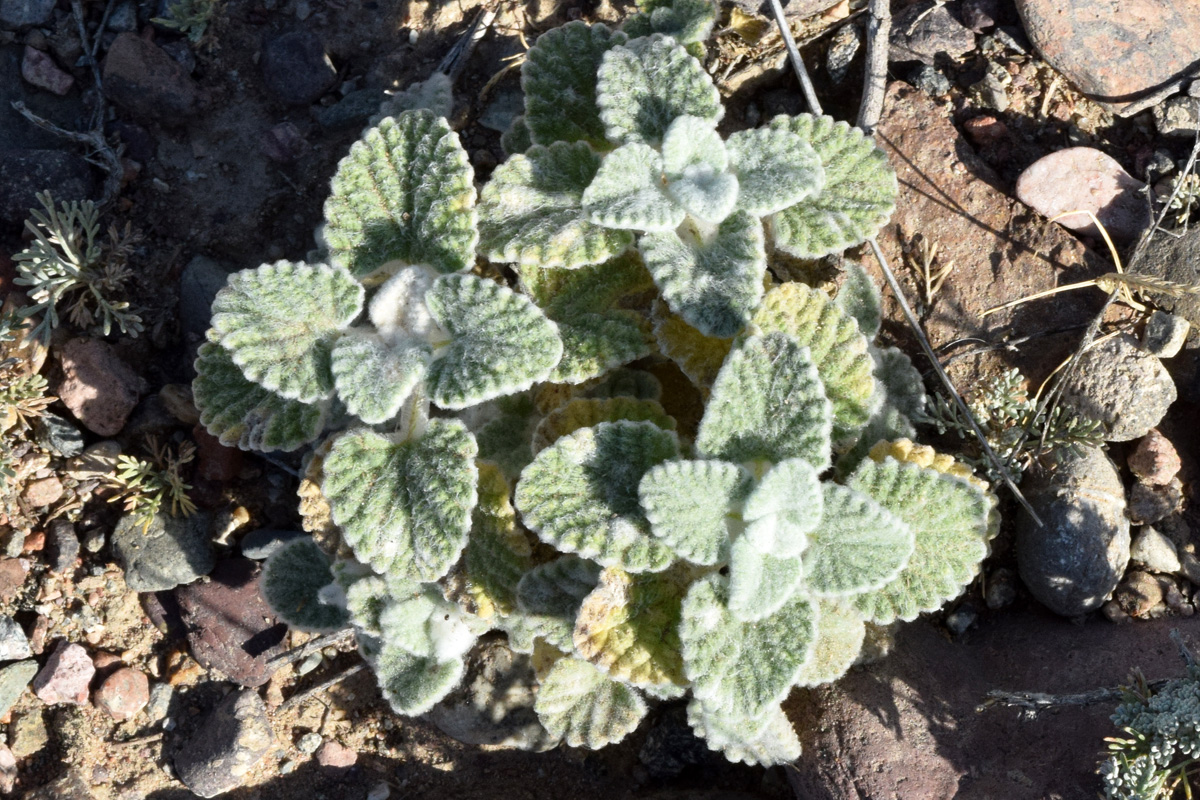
(333, 754)
(8, 770)
(66, 676)
(99, 388)
(123, 694)
(43, 491)
(39, 69)
(1085, 179)
(1155, 460)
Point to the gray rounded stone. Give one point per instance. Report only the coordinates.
(228, 744)
(1123, 386)
(170, 552)
(13, 680)
(1074, 562)
(1155, 551)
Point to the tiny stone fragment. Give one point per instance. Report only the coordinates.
(27, 733)
(1178, 116)
(1155, 460)
(124, 693)
(13, 680)
(1139, 595)
(333, 754)
(1124, 387)
(309, 743)
(63, 545)
(1154, 551)
(1149, 504)
(1165, 334)
(1001, 589)
(13, 644)
(66, 675)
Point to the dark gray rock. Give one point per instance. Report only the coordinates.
(1075, 560)
(978, 15)
(234, 737)
(1149, 504)
(62, 545)
(261, 543)
(843, 47)
(13, 643)
(148, 83)
(24, 173)
(284, 143)
(172, 551)
(13, 680)
(351, 111)
(58, 435)
(929, 80)
(296, 69)
(1121, 385)
(1178, 260)
(1165, 334)
(21, 14)
(202, 278)
(920, 36)
(1178, 116)
(123, 17)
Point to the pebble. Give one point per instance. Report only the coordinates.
(24, 173)
(39, 69)
(148, 83)
(1073, 563)
(123, 693)
(159, 703)
(96, 461)
(170, 552)
(1175, 599)
(123, 17)
(43, 491)
(94, 540)
(199, 283)
(379, 791)
(979, 15)
(843, 47)
(1165, 334)
(1149, 504)
(13, 644)
(231, 740)
(1115, 51)
(929, 79)
(351, 111)
(8, 770)
(64, 545)
(309, 743)
(177, 399)
(58, 435)
(1001, 589)
(27, 733)
(296, 69)
(1140, 594)
(986, 130)
(230, 626)
(1178, 116)
(284, 143)
(65, 676)
(333, 754)
(34, 542)
(263, 542)
(13, 680)
(961, 619)
(100, 389)
(12, 577)
(1155, 460)
(1123, 386)
(1154, 551)
(1085, 179)
(935, 34)
(18, 15)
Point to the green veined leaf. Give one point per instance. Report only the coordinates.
(628, 626)
(715, 281)
(858, 547)
(857, 199)
(628, 194)
(840, 634)
(644, 86)
(404, 508)
(531, 211)
(517, 138)
(775, 169)
(774, 742)
(837, 348)
(501, 342)
(243, 414)
(278, 323)
(413, 684)
(860, 298)
(584, 412)
(742, 669)
(886, 424)
(784, 508)
(768, 404)
(405, 192)
(549, 596)
(689, 505)
(585, 708)
(373, 379)
(580, 494)
(425, 624)
(949, 517)
(595, 343)
(367, 596)
(291, 579)
(498, 554)
(760, 583)
(695, 164)
(504, 439)
(699, 357)
(901, 381)
(687, 21)
(559, 80)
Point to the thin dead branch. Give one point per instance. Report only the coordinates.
(879, 28)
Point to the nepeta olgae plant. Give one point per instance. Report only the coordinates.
(500, 458)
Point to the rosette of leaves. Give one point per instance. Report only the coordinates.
(624, 149)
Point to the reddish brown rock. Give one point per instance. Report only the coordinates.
(986, 131)
(215, 461)
(1085, 179)
(12, 577)
(332, 754)
(39, 69)
(123, 694)
(43, 491)
(34, 542)
(8, 770)
(100, 389)
(230, 626)
(1000, 250)
(65, 676)
(141, 78)
(1116, 51)
(1155, 460)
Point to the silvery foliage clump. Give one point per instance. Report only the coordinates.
(499, 459)
(1161, 744)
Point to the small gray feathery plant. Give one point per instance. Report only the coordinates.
(490, 462)
(1161, 745)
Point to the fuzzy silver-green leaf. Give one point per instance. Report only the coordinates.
(404, 507)
(501, 342)
(580, 704)
(760, 583)
(784, 508)
(581, 494)
(628, 193)
(696, 168)
(243, 414)
(775, 169)
(291, 579)
(413, 684)
(373, 379)
(278, 323)
(688, 504)
(648, 83)
(768, 404)
(860, 298)
(405, 192)
(857, 199)
(762, 742)
(531, 211)
(549, 596)
(840, 634)
(687, 21)
(858, 546)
